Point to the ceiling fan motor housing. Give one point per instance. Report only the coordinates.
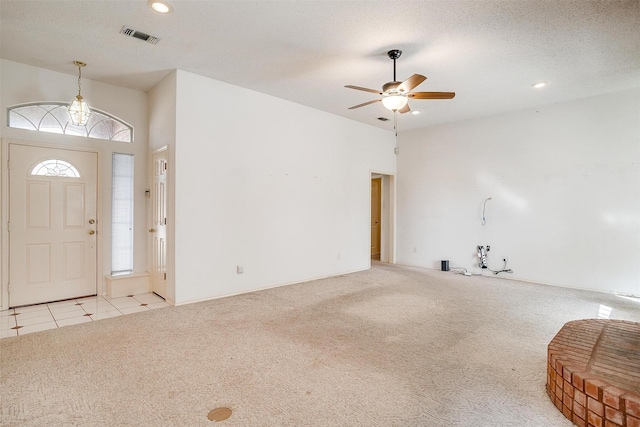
(394, 54)
(391, 87)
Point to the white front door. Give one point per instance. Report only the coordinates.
(52, 224)
(158, 228)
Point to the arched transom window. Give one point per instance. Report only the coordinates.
(54, 117)
(55, 167)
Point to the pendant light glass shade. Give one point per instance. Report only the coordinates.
(394, 102)
(79, 111)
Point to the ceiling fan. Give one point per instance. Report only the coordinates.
(395, 94)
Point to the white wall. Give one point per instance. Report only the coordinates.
(276, 187)
(565, 186)
(22, 83)
(162, 134)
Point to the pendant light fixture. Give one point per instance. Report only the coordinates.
(79, 111)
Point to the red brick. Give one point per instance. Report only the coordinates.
(593, 387)
(580, 397)
(611, 396)
(579, 410)
(552, 360)
(579, 421)
(567, 371)
(595, 407)
(568, 389)
(551, 392)
(558, 391)
(633, 421)
(594, 419)
(632, 404)
(567, 412)
(559, 365)
(613, 415)
(558, 403)
(577, 379)
(568, 401)
(608, 423)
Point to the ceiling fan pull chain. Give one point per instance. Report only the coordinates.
(395, 122)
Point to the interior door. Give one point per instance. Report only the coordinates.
(52, 224)
(158, 228)
(376, 191)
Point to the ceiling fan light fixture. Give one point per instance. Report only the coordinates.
(160, 6)
(394, 102)
(79, 111)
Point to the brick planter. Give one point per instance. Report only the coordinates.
(593, 372)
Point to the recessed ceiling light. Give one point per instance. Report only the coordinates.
(160, 6)
(415, 112)
(538, 85)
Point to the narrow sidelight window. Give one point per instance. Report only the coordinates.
(122, 214)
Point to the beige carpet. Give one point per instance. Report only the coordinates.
(392, 346)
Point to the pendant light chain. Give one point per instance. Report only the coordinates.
(79, 77)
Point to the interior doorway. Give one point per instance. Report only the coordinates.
(376, 202)
(158, 228)
(383, 217)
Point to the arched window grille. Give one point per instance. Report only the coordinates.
(55, 167)
(53, 117)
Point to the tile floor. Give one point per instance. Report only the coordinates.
(34, 318)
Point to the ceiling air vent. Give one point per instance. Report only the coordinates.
(383, 119)
(139, 35)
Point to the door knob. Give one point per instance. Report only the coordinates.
(92, 232)
(152, 230)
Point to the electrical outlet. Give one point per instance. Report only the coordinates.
(339, 255)
(482, 255)
(240, 269)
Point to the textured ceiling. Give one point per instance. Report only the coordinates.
(488, 52)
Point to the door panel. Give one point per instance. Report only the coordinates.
(52, 244)
(38, 207)
(159, 225)
(74, 213)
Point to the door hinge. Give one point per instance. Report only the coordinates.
(165, 165)
(165, 276)
(165, 221)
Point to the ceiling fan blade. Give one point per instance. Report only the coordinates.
(404, 109)
(364, 89)
(431, 95)
(411, 82)
(366, 103)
